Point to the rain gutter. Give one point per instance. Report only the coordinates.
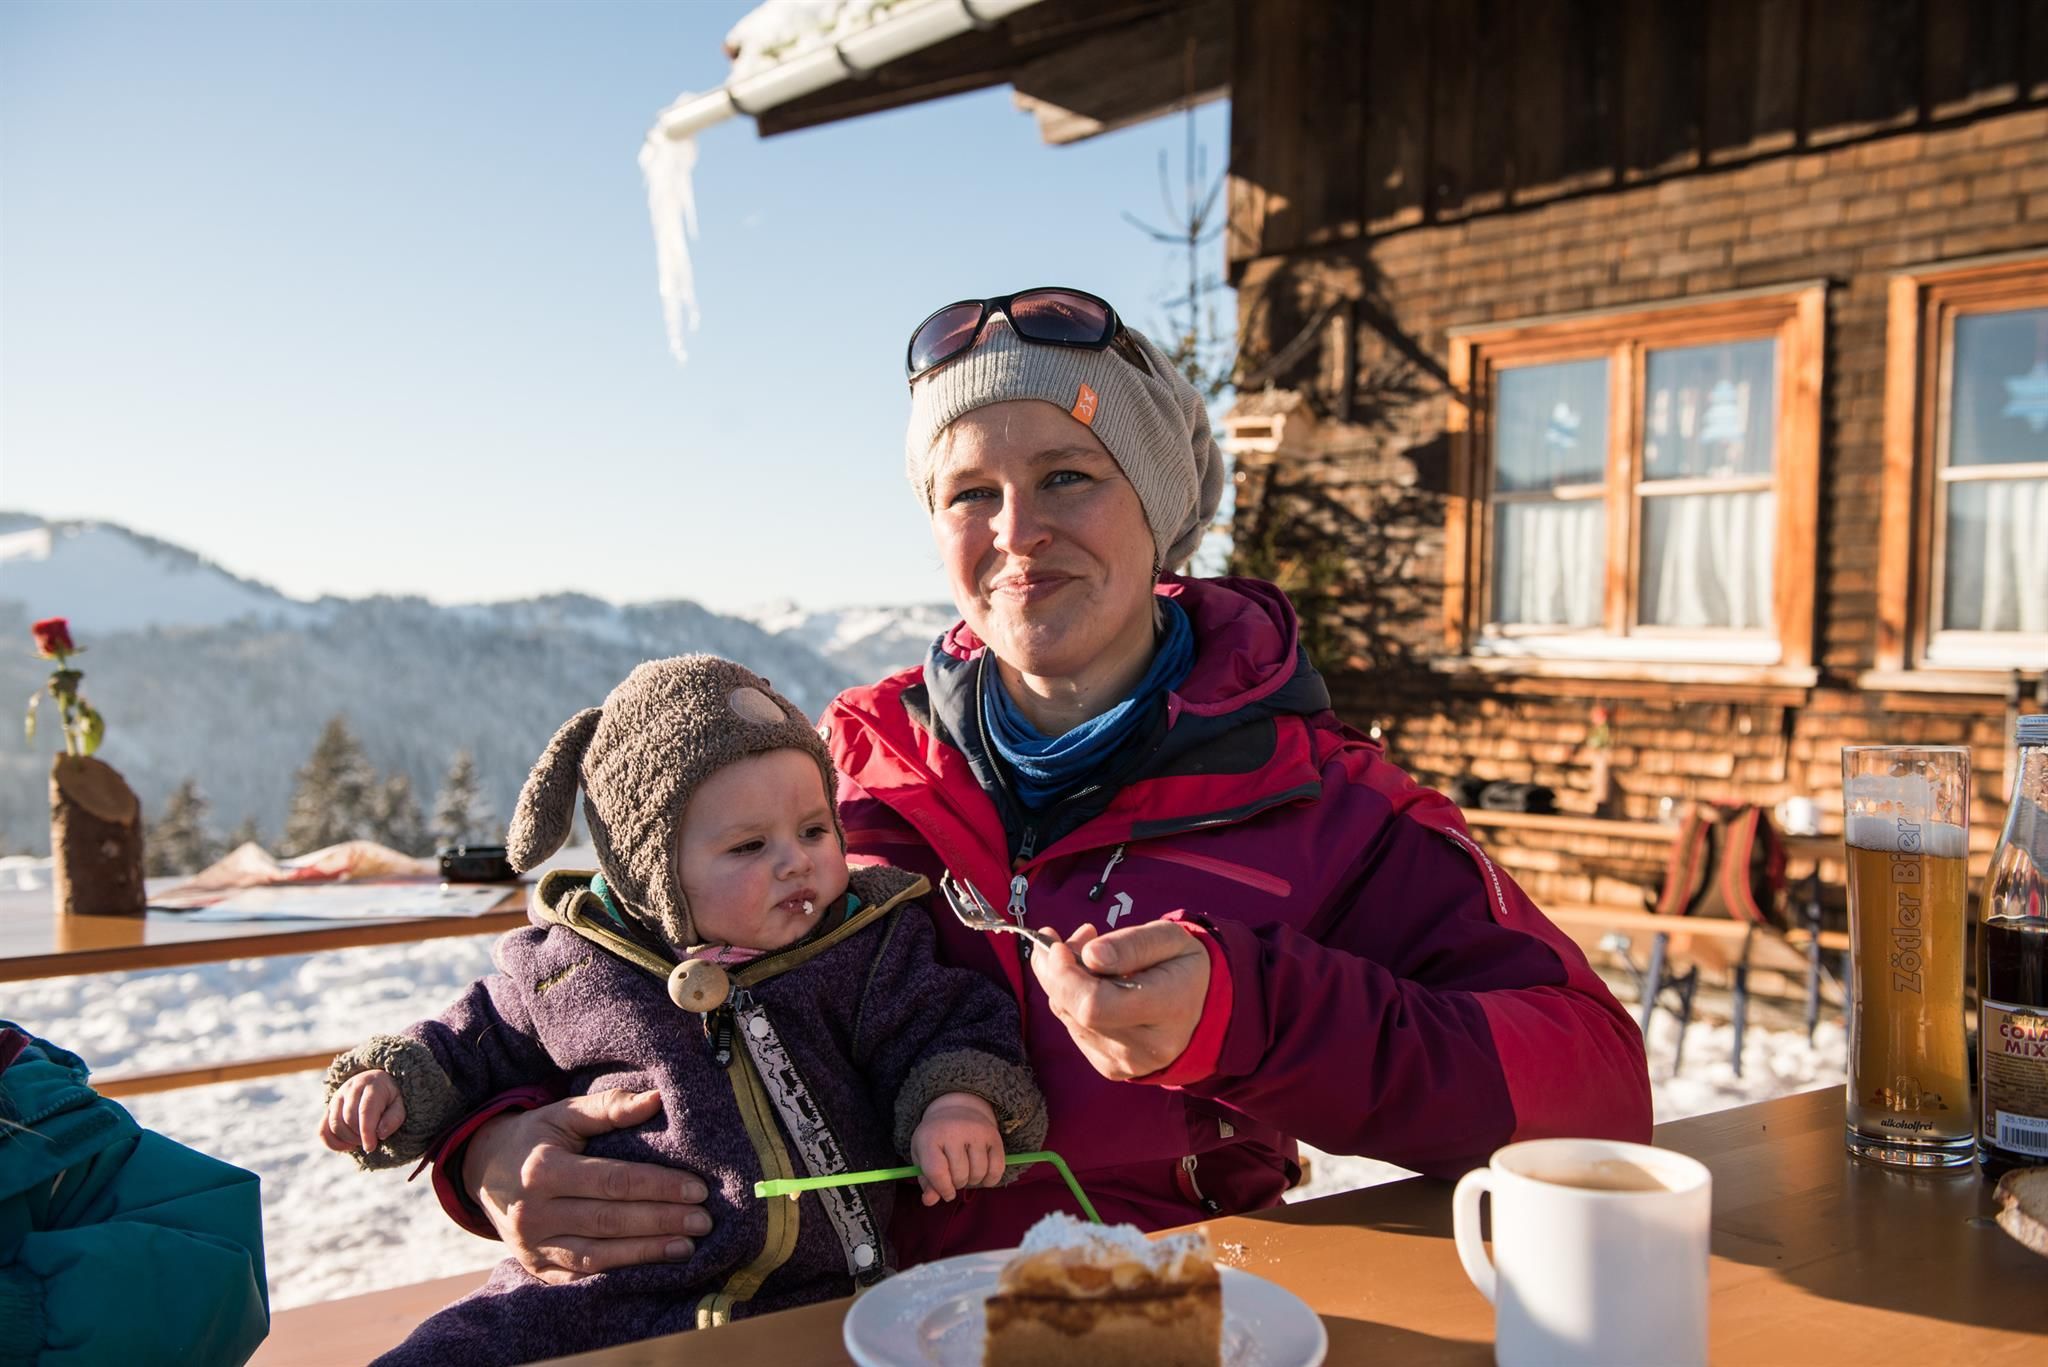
(849, 58)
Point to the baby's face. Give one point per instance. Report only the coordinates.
(757, 845)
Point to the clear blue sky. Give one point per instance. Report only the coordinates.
(360, 297)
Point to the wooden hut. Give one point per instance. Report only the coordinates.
(1641, 400)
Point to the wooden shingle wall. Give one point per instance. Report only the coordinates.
(1793, 142)
(1352, 119)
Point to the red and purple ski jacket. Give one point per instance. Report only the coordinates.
(1380, 988)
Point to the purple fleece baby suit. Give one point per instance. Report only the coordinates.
(875, 1027)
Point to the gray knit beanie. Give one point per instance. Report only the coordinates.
(671, 725)
(1149, 417)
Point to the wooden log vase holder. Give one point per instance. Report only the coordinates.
(95, 839)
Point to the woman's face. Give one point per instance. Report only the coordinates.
(757, 845)
(1043, 540)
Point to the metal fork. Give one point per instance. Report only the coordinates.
(974, 912)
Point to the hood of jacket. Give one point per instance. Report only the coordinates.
(49, 1118)
(1248, 654)
(564, 897)
(1232, 740)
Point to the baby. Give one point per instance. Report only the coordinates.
(790, 1011)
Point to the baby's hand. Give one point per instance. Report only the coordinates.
(365, 1111)
(957, 1145)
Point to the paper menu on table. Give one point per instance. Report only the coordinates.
(352, 902)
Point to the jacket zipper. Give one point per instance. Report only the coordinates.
(1193, 1190)
(1027, 843)
(721, 1031)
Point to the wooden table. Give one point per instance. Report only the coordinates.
(36, 942)
(1817, 1258)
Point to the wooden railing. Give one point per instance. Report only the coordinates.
(140, 1084)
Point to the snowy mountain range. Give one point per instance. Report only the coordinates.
(206, 675)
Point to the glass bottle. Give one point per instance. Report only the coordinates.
(2012, 972)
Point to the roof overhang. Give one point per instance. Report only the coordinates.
(1080, 67)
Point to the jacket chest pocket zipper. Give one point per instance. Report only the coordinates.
(1191, 1189)
(1270, 883)
(1116, 857)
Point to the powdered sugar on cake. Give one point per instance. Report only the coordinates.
(1115, 1243)
(1062, 1256)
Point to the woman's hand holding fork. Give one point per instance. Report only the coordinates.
(1127, 1034)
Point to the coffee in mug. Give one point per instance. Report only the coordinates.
(1600, 1252)
(1607, 1174)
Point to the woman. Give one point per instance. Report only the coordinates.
(1148, 766)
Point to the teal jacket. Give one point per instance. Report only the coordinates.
(116, 1244)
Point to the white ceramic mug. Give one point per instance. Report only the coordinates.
(1599, 1252)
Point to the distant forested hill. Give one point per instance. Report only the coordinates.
(204, 675)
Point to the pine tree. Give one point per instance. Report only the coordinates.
(248, 833)
(461, 812)
(179, 841)
(395, 819)
(332, 801)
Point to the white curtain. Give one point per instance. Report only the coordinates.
(1550, 562)
(2001, 581)
(1706, 560)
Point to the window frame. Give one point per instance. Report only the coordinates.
(1924, 303)
(1794, 316)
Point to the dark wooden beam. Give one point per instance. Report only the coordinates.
(975, 60)
(1129, 74)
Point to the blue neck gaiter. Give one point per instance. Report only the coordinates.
(1043, 767)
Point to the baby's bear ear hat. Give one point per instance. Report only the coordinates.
(547, 802)
(672, 724)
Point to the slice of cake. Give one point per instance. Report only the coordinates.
(1082, 1295)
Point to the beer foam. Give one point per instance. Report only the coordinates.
(1880, 834)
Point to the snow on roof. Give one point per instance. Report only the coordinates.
(766, 47)
(781, 29)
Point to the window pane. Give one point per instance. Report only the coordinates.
(1550, 562)
(1706, 560)
(1550, 425)
(1710, 410)
(1997, 571)
(1998, 398)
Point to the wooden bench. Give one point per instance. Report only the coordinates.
(356, 1329)
(1799, 849)
(1733, 947)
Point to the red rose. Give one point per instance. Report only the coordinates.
(53, 637)
(1600, 716)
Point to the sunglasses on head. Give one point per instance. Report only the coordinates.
(1050, 315)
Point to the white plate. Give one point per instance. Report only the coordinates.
(933, 1314)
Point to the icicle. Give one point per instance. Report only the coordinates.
(667, 164)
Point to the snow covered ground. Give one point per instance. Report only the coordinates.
(331, 1230)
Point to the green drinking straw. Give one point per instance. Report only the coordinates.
(790, 1186)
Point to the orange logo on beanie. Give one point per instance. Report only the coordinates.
(1084, 406)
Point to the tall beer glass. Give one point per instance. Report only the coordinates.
(1907, 822)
